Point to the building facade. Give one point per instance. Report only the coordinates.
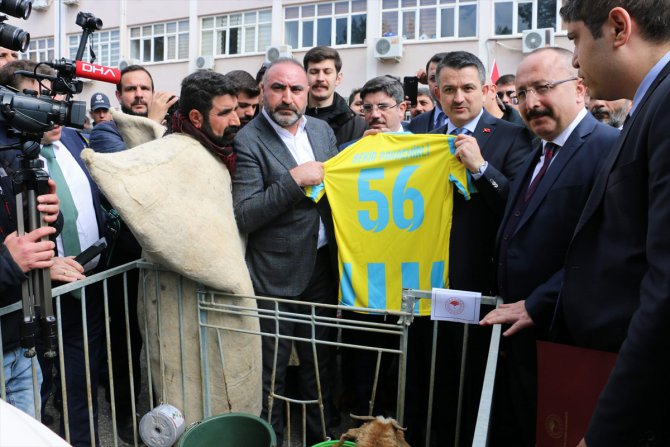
(170, 37)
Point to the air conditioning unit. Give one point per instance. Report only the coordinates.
(533, 39)
(123, 63)
(71, 2)
(278, 51)
(203, 63)
(388, 48)
(41, 5)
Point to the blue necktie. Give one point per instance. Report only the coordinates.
(461, 130)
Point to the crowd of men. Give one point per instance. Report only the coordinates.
(567, 225)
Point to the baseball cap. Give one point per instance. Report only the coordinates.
(99, 101)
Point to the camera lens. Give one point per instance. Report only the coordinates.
(13, 38)
(16, 8)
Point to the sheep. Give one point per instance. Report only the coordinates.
(377, 432)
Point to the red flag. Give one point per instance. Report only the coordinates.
(495, 74)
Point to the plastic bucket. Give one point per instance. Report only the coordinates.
(230, 430)
(329, 443)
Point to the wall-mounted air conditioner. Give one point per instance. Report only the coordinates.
(203, 63)
(388, 48)
(123, 63)
(274, 52)
(533, 39)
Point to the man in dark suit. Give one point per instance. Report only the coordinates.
(291, 243)
(544, 205)
(492, 150)
(435, 118)
(616, 292)
(62, 147)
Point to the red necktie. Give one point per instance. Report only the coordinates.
(549, 150)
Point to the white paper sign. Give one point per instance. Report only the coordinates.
(455, 305)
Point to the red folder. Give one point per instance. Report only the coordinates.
(569, 381)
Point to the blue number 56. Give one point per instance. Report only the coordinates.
(400, 194)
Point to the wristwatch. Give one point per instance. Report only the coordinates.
(482, 168)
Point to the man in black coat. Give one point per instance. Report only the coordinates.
(616, 287)
(545, 202)
(492, 150)
(323, 66)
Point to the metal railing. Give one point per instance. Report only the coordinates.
(209, 303)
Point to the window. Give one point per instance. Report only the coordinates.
(239, 33)
(105, 45)
(159, 42)
(514, 16)
(40, 50)
(329, 23)
(429, 19)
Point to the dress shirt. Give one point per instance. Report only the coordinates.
(301, 151)
(559, 141)
(470, 126)
(80, 189)
(646, 82)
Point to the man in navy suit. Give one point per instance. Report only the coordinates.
(492, 150)
(545, 202)
(616, 288)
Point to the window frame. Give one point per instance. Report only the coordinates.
(50, 49)
(216, 29)
(314, 20)
(95, 41)
(558, 23)
(166, 34)
(438, 6)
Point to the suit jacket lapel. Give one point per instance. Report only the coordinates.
(600, 185)
(316, 139)
(269, 138)
(519, 186)
(483, 132)
(567, 151)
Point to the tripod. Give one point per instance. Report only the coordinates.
(30, 181)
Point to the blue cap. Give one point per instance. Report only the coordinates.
(99, 101)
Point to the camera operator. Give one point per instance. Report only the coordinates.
(82, 225)
(18, 256)
(7, 56)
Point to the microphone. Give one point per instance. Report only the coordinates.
(86, 70)
(97, 72)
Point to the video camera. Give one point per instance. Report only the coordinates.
(29, 114)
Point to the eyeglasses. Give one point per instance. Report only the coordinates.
(540, 90)
(369, 108)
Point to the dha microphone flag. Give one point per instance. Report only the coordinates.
(97, 72)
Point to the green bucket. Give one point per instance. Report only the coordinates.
(230, 430)
(329, 443)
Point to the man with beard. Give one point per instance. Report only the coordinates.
(248, 95)
(135, 93)
(610, 112)
(541, 214)
(136, 96)
(323, 66)
(384, 104)
(291, 250)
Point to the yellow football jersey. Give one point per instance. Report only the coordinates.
(392, 197)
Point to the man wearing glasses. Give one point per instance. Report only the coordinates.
(544, 206)
(383, 104)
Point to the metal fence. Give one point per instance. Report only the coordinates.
(208, 303)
